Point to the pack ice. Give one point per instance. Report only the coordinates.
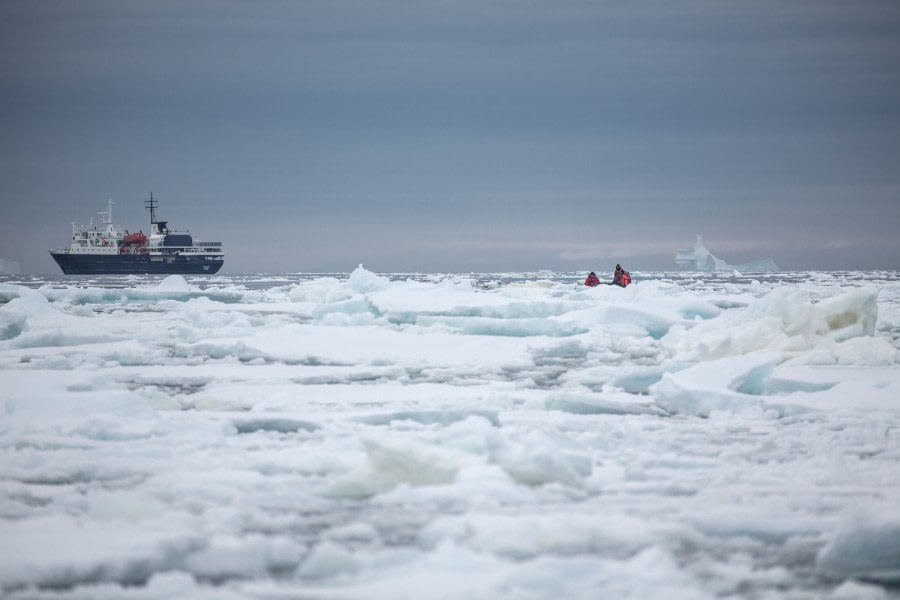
(512, 436)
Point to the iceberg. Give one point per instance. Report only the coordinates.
(699, 258)
(9, 267)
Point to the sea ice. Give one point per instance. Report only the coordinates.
(448, 436)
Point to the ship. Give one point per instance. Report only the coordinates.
(111, 250)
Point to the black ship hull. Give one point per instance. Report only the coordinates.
(135, 264)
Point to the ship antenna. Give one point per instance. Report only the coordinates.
(151, 205)
(106, 216)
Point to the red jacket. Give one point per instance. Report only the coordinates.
(592, 280)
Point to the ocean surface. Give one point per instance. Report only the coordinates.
(455, 436)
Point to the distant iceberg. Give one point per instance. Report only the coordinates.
(9, 267)
(699, 258)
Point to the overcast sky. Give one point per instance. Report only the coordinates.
(440, 135)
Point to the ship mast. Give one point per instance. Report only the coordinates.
(106, 216)
(155, 226)
(151, 205)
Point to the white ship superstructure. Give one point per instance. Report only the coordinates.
(93, 240)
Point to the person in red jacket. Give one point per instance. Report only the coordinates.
(621, 277)
(592, 280)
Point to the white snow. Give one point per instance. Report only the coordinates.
(513, 436)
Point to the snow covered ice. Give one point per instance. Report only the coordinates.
(514, 436)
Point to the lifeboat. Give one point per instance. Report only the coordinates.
(135, 238)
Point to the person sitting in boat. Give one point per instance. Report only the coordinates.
(592, 280)
(621, 277)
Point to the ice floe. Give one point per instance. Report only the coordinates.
(507, 435)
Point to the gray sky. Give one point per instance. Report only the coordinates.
(453, 136)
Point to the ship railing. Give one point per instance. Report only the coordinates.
(185, 250)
